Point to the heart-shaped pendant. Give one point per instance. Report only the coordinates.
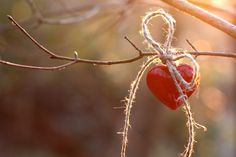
(161, 84)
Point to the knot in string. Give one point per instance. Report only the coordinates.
(165, 57)
(166, 53)
(161, 49)
(168, 56)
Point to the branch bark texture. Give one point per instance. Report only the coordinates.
(209, 18)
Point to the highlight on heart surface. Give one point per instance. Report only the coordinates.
(161, 84)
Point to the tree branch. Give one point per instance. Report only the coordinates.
(211, 19)
(230, 12)
(76, 59)
(60, 67)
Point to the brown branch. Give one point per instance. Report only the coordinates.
(29, 36)
(211, 19)
(59, 57)
(76, 59)
(60, 67)
(225, 11)
(92, 8)
(191, 45)
(215, 54)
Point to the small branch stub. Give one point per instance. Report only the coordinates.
(180, 85)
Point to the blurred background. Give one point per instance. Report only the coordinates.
(73, 112)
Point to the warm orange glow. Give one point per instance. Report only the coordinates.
(203, 45)
(218, 2)
(214, 99)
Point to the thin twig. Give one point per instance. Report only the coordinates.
(60, 67)
(73, 60)
(211, 19)
(179, 4)
(55, 56)
(135, 47)
(215, 54)
(191, 45)
(29, 36)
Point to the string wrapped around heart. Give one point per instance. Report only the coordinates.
(168, 56)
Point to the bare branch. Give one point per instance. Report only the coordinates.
(194, 53)
(191, 45)
(29, 36)
(88, 10)
(76, 59)
(203, 15)
(60, 67)
(230, 12)
(136, 48)
(58, 57)
(216, 54)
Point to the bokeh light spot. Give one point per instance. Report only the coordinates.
(203, 45)
(214, 99)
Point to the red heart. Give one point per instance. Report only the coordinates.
(162, 85)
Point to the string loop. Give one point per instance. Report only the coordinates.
(168, 56)
(166, 53)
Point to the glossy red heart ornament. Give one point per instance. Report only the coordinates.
(162, 85)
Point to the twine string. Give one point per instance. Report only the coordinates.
(129, 103)
(165, 50)
(168, 56)
(191, 84)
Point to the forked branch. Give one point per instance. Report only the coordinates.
(76, 59)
